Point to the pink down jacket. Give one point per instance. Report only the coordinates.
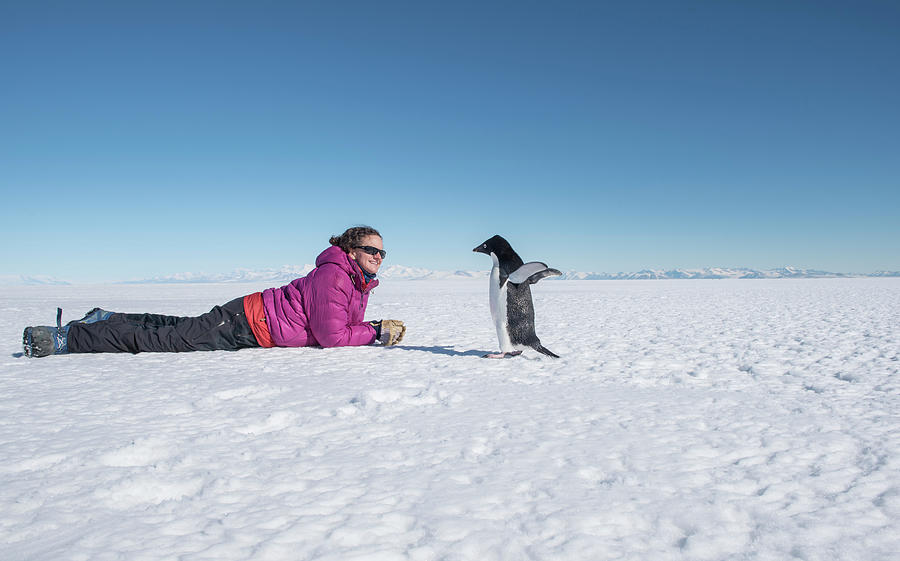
(324, 308)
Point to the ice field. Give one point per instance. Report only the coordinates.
(685, 420)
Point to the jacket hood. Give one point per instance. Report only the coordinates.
(337, 256)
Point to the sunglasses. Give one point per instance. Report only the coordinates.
(372, 250)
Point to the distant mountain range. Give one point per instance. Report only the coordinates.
(399, 272)
(724, 273)
(288, 273)
(31, 280)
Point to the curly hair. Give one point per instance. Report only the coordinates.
(353, 237)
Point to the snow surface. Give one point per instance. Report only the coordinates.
(686, 419)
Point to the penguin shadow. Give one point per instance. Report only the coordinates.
(441, 350)
(18, 355)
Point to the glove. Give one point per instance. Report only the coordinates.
(389, 331)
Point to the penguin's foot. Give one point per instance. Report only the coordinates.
(503, 355)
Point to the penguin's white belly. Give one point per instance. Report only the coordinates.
(498, 309)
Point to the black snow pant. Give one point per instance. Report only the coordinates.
(224, 328)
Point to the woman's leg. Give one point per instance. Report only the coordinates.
(222, 328)
(150, 320)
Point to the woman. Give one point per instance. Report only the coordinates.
(324, 308)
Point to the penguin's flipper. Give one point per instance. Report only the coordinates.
(531, 273)
(541, 274)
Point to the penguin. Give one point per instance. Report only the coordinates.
(511, 306)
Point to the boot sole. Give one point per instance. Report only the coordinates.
(37, 344)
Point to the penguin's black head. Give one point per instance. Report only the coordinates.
(509, 260)
(496, 245)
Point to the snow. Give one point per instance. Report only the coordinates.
(689, 419)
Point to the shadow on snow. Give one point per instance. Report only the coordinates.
(442, 350)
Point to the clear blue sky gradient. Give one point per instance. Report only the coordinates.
(149, 138)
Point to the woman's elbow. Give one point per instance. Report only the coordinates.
(327, 343)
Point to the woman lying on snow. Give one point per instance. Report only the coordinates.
(324, 308)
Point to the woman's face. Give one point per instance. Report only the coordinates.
(368, 263)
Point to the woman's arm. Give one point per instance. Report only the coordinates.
(329, 310)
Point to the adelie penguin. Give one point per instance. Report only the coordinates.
(511, 306)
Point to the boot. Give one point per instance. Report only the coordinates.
(43, 340)
(95, 315)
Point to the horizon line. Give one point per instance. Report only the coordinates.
(234, 275)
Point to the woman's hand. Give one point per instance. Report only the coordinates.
(389, 331)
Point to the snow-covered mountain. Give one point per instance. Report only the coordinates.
(29, 280)
(288, 273)
(720, 273)
(284, 274)
(401, 272)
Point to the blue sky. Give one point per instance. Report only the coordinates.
(148, 138)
